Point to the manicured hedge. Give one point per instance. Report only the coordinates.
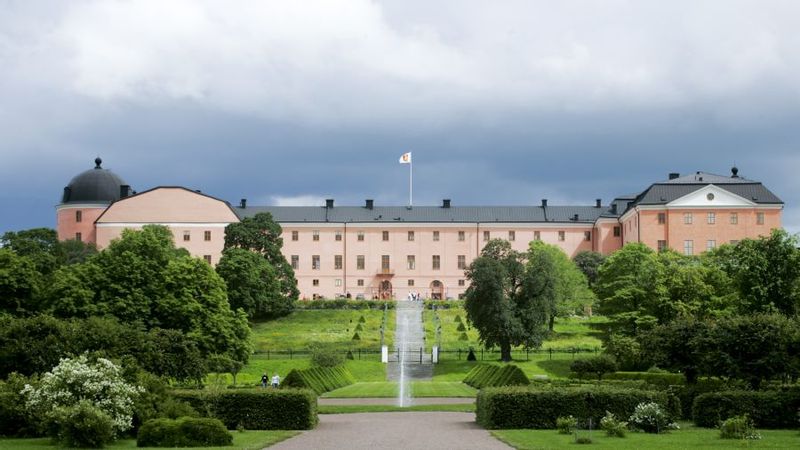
(526, 407)
(183, 432)
(491, 375)
(659, 379)
(688, 392)
(767, 409)
(344, 304)
(270, 409)
(319, 379)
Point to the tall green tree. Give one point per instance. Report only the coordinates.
(253, 284)
(20, 283)
(507, 298)
(39, 244)
(589, 263)
(262, 235)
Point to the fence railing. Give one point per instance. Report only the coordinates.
(451, 354)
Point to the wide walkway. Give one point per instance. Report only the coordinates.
(402, 430)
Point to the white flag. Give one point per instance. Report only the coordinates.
(406, 158)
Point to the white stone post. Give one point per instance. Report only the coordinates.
(384, 354)
(435, 355)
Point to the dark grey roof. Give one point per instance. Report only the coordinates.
(705, 177)
(96, 185)
(429, 214)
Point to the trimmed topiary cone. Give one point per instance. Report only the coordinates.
(362, 320)
(356, 337)
(463, 337)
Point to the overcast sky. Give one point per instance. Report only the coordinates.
(291, 102)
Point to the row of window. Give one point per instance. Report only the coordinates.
(411, 262)
(187, 235)
(688, 245)
(711, 218)
(360, 282)
(512, 235)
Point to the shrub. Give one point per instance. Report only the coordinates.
(566, 425)
(526, 407)
(583, 440)
(463, 337)
(491, 375)
(598, 365)
(356, 336)
(461, 327)
(738, 427)
(457, 319)
(687, 393)
(14, 419)
(319, 379)
(183, 432)
(344, 304)
(651, 418)
(349, 355)
(471, 355)
(660, 379)
(83, 426)
(321, 357)
(767, 409)
(271, 409)
(362, 320)
(612, 426)
(359, 327)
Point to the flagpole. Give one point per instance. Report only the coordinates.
(411, 183)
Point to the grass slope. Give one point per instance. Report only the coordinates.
(539, 365)
(259, 364)
(388, 389)
(246, 440)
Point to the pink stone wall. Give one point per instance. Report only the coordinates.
(67, 225)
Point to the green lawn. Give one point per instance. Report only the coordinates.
(247, 440)
(330, 328)
(251, 374)
(539, 364)
(350, 409)
(688, 437)
(390, 389)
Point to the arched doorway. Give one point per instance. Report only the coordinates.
(437, 290)
(386, 290)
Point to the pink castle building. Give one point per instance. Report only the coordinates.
(374, 251)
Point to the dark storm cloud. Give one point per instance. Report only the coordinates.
(294, 102)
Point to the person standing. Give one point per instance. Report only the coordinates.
(276, 380)
(264, 380)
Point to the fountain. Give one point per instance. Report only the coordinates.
(409, 338)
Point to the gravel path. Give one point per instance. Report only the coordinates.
(393, 401)
(404, 430)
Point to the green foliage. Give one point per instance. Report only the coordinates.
(324, 357)
(39, 245)
(599, 366)
(463, 337)
(461, 327)
(767, 409)
(319, 379)
(589, 263)
(738, 427)
(20, 283)
(183, 432)
(361, 320)
(457, 319)
(356, 337)
(566, 425)
(508, 299)
(83, 425)
(662, 380)
(525, 407)
(651, 417)
(359, 327)
(668, 346)
(262, 235)
(14, 418)
(625, 350)
(492, 375)
(687, 393)
(253, 284)
(613, 426)
(268, 409)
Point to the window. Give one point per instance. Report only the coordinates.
(360, 262)
(688, 247)
(688, 218)
(461, 283)
(537, 236)
(411, 262)
(410, 283)
(562, 235)
(78, 237)
(512, 235)
(315, 235)
(337, 262)
(734, 218)
(337, 282)
(315, 282)
(385, 262)
(338, 236)
(360, 282)
(485, 236)
(436, 236)
(360, 235)
(617, 231)
(436, 262)
(410, 236)
(461, 236)
(462, 262)
(295, 235)
(587, 235)
(662, 218)
(711, 219)
(734, 242)
(295, 262)
(206, 235)
(385, 235)
(711, 244)
(187, 236)
(760, 218)
(207, 258)
(78, 216)
(662, 245)
(315, 262)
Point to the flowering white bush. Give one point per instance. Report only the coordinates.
(77, 380)
(650, 418)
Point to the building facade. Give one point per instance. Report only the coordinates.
(381, 252)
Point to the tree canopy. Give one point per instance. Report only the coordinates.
(572, 291)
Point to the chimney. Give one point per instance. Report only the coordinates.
(544, 203)
(329, 203)
(243, 203)
(674, 175)
(124, 191)
(67, 193)
(370, 203)
(613, 208)
(446, 203)
(575, 217)
(598, 203)
(734, 172)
